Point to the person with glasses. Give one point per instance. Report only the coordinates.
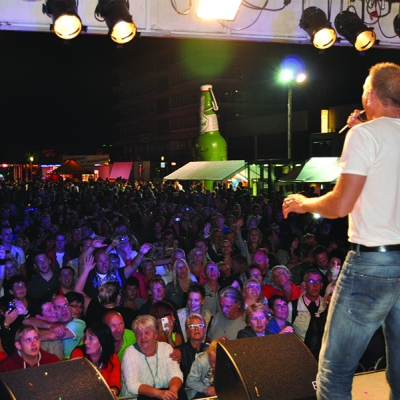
(76, 301)
(279, 309)
(309, 313)
(28, 354)
(68, 329)
(195, 327)
(282, 284)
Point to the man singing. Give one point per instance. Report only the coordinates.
(367, 294)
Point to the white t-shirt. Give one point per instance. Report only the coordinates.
(136, 371)
(373, 150)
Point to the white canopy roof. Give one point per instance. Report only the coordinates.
(208, 170)
(314, 170)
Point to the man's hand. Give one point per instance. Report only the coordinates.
(59, 330)
(145, 248)
(88, 263)
(98, 243)
(20, 307)
(176, 355)
(10, 316)
(356, 117)
(293, 203)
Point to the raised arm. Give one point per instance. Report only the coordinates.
(88, 265)
(135, 263)
(96, 244)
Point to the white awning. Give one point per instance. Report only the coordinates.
(208, 170)
(315, 170)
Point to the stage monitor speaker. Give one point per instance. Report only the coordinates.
(273, 367)
(75, 379)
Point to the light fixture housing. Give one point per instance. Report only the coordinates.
(396, 25)
(218, 9)
(64, 14)
(350, 26)
(116, 15)
(314, 22)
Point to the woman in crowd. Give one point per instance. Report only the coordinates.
(147, 369)
(336, 259)
(278, 306)
(98, 348)
(177, 290)
(197, 261)
(256, 318)
(167, 332)
(289, 254)
(252, 292)
(196, 299)
(226, 250)
(254, 240)
(282, 284)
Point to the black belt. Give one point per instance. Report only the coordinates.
(375, 249)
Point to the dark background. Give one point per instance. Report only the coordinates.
(57, 95)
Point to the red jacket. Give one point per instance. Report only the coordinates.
(111, 374)
(15, 361)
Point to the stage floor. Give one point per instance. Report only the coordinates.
(370, 385)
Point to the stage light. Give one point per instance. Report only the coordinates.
(314, 22)
(64, 14)
(218, 9)
(116, 15)
(350, 26)
(396, 25)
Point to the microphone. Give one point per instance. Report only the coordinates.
(361, 119)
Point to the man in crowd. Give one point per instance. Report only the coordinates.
(29, 354)
(211, 287)
(260, 257)
(122, 337)
(66, 280)
(228, 322)
(45, 281)
(16, 252)
(59, 256)
(367, 292)
(309, 313)
(70, 330)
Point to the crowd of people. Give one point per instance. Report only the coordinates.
(145, 278)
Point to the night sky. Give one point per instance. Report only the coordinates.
(60, 96)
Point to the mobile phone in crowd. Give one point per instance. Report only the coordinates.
(164, 323)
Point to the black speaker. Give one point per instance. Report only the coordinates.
(274, 367)
(75, 379)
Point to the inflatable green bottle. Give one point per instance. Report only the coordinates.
(210, 145)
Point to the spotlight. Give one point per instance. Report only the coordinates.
(314, 22)
(218, 9)
(66, 21)
(354, 30)
(116, 15)
(396, 25)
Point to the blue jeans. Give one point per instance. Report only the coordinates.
(367, 295)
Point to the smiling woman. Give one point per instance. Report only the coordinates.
(147, 369)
